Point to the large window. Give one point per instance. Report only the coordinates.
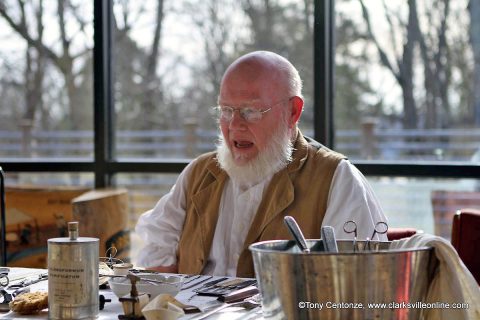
(406, 92)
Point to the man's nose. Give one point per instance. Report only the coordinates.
(237, 120)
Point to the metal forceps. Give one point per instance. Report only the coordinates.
(351, 227)
(109, 258)
(381, 227)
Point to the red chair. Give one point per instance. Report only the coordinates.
(466, 239)
(400, 233)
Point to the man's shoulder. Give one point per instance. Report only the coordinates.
(205, 161)
(206, 157)
(321, 151)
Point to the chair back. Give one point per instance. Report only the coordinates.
(466, 239)
(400, 233)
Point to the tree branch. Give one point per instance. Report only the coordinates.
(391, 28)
(383, 56)
(23, 32)
(61, 26)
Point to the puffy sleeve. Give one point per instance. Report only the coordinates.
(351, 198)
(160, 228)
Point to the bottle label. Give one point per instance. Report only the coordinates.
(70, 273)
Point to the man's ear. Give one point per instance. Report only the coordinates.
(296, 108)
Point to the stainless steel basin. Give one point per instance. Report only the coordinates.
(343, 285)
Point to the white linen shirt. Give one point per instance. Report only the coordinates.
(350, 198)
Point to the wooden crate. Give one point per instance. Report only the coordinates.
(33, 215)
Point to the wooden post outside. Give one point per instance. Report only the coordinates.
(26, 125)
(191, 139)
(368, 139)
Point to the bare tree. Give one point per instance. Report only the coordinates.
(152, 94)
(262, 22)
(34, 76)
(350, 88)
(427, 45)
(474, 9)
(287, 29)
(308, 18)
(219, 46)
(63, 61)
(435, 65)
(402, 66)
(138, 83)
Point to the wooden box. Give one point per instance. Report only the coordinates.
(103, 214)
(34, 215)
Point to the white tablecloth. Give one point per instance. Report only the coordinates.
(113, 309)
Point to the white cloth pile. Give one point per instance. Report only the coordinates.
(452, 283)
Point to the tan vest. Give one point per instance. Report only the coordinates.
(300, 190)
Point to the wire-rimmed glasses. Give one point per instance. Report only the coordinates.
(249, 114)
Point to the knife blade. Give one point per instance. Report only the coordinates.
(196, 283)
(210, 284)
(239, 295)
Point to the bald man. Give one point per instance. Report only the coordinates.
(263, 169)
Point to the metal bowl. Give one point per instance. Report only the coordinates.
(321, 285)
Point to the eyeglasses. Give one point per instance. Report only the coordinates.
(248, 114)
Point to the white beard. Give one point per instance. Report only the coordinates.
(274, 157)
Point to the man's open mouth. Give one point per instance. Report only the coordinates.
(242, 144)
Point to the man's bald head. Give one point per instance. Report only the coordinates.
(269, 68)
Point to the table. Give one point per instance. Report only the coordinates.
(113, 309)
